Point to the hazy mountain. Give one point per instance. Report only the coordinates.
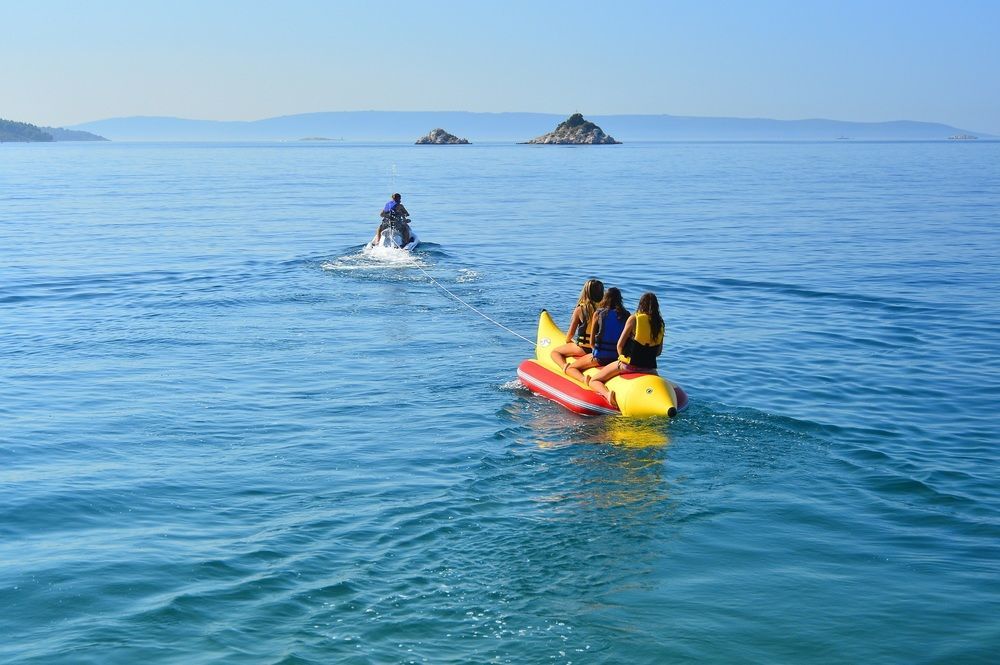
(407, 126)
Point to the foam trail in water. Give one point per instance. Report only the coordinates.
(374, 257)
(513, 385)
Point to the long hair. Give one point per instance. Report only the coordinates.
(590, 295)
(613, 300)
(648, 304)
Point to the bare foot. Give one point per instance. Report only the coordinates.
(612, 400)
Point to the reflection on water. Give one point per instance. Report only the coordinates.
(555, 427)
(630, 433)
(614, 464)
(618, 431)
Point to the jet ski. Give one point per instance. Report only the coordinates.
(392, 237)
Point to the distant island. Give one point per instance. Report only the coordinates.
(318, 138)
(963, 137)
(62, 134)
(24, 132)
(575, 131)
(440, 137)
(402, 126)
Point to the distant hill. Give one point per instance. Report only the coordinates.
(23, 132)
(404, 125)
(60, 134)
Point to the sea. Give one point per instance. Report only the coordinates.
(229, 435)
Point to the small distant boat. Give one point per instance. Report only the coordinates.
(962, 137)
(843, 138)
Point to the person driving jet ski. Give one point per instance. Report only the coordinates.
(394, 215)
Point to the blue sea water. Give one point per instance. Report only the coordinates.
(228, 436)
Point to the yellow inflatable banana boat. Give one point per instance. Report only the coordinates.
(638, 395)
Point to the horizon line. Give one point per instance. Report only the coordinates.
(670, 115)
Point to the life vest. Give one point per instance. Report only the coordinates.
(583, 332)
(642, 348)
(391, 211)
(606, 328)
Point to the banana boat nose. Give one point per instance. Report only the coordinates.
(646, 396)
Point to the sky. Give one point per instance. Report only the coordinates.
(64, 62)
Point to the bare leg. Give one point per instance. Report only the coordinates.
(609, 371)
(561, 352)
(575, 370)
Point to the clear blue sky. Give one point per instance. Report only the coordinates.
(65, 62)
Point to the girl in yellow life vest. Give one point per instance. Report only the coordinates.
(642, 340)
(579, 324)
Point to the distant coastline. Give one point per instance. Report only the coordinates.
(402, 126)
(12, 131)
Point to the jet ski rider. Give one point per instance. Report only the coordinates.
(394, 215)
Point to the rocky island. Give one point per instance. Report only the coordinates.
(440, 137)
(575, 131)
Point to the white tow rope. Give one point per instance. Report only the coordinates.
(491, 320)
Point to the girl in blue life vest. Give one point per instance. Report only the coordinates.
(605, 328)
(641, 340)
(579, 324)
